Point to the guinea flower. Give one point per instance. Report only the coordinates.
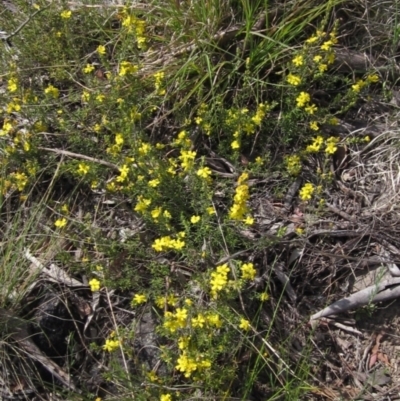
(204, 172)
(293, 79)
(311, 109)
(235, 144)
(316, 145)
(101, 50)
(94, 284)
(198, 321)
(139, 299)
(298, 60)
(331, 145)
(302, 99)
(52, 91)
(244, 324)
(219, 279)
(154, 183)
(111, 345)
(372, 78)
(322, 67)
(88, 69)
(248, 271)
(186, 365)
(83, 168)
(249, 220)
(195, 219)
(12, 84)
(358, 86)
(60, 223)
(293, 164)
(66, 14)
(307, 191)
(327, 45)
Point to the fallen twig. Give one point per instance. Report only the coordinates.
(83, 157)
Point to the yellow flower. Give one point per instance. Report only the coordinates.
(298, 60)
(85, 96)
(327, 45)
(88, 69)
(244, 324)
(293, 79)
(248, 220)
(331, 145)
(322, 67)
(307, 191)
(317, 58)
(60, 223)
(188, 302)
(235, 144)
(302, 99)
(119, 139)
(111, 345)
(156, 213)
(219, 279)
(94, 284)
(126, 68)
(293, 164)
(330, 58)
(183, 342)
(311, 109)
(198, 321)
(264, 297)
(154, 183)
(314, 126)
(195, 219)
(159, 77)
(83, 168)
(142, 204)
(139, 299)
(214, 319)
(12, 85)
(187, 159)
(367, 138)
(358, 86)
(311, 40)
(172, 300)
(248, 271)
(166, 397)
(152, 376)
(66, 14)
(204, 172)
(186, 365)
(52, 91)
(101, 50)
(372, 78)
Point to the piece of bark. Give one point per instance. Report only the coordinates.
(386, 290)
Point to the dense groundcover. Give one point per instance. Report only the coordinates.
(185, 187)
